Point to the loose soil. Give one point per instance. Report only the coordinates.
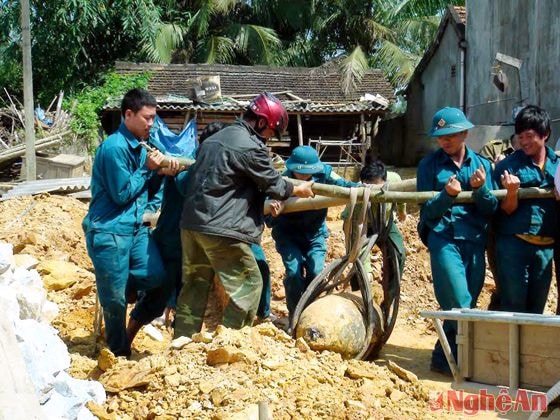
(226, 374)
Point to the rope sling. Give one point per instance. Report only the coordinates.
(361, 234)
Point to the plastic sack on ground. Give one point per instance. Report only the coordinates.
(6, 257)
(68, 397)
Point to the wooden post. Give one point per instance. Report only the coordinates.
(187, 119)
(30, 161)
(363, 139)
(513, 356)
(299, 130)
(373, 134)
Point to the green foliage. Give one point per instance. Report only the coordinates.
(11, 77)
(353, 68)
(86, 105)
(76, 41)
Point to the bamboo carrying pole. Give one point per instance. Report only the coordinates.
(417, 197)
(398, 192)
(186, 162)
(182, 162)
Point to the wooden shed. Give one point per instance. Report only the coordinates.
(438, 81)
(525, 33)
(320, 113)
(514, 39)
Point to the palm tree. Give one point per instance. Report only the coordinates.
(379, 33)
(74, 41)
(216, 31)
(387, 34)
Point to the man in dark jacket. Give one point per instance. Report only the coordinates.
(223, 215)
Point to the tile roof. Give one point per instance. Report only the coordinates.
(460, 14)
(319, 88)
(176, 103)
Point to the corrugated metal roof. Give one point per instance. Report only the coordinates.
(66, 185)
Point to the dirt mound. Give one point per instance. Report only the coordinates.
(226, 375)
(233, 371)
(45, 226)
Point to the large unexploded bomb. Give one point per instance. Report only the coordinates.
(335, 323)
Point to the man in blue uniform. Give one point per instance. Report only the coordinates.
(301, 237)
(525, 229)
(455, 234)
(125, 258)
(375, 173)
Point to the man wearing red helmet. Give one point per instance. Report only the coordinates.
(223, 215)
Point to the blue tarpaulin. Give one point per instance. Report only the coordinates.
(183, 144)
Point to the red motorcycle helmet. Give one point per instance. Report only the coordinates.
(271, 109)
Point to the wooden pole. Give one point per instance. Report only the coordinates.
(363, 140)
(513, 356)
(20, 150)
(295, 204)
(187, 119)
(393, 196)
(299, 130)
(182, 162)
(373, 145)
(186, 162)
(30, 162)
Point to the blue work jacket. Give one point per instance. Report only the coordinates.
(440, 214)
(308, 222)
(536, 216)
(120, 185)
(167, 231)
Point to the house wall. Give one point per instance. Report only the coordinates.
(435, 88)
(390, 141)
(525, 29)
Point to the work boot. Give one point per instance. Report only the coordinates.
(439, 362)
(283, 324)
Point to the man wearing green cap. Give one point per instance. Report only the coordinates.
(455, 234)
(301, 237)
